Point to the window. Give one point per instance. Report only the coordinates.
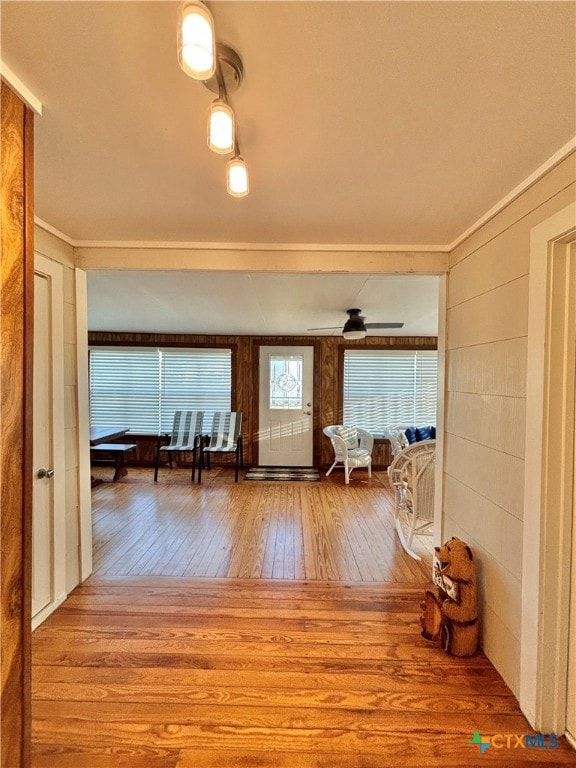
(285, 382)
(386, 387)
(141, 388)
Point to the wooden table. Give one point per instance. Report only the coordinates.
(380, 439)
(105, 434)
(100, 435)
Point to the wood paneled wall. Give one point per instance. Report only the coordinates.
(245, 355)
(16, 302)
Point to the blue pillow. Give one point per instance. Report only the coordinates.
(433, 432)
(411, 435)
(424, 433)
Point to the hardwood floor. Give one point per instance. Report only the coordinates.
(285, 650)
(179, 673)
(254, 530)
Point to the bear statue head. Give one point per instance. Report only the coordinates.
(456, 560)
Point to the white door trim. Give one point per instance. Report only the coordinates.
(440, 410)
(54, 273)
(547, 519)
(83, 435)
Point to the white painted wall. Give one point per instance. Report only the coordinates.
(57, 250)
(485, 409)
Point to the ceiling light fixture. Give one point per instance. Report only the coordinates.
(221, 137)
(354, 334)
(221, 69)
(196, 41)
(237, 176)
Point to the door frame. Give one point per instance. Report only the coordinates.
(547, 500)
(54, 273)
(83, 430)
(282, 341)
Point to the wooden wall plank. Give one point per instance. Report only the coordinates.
(16, 317)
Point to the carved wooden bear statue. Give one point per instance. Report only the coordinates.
(451, 606)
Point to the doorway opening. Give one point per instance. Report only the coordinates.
(548, 577)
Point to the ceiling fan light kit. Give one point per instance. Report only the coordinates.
(354, 327)
(221, 70)
(353, 335)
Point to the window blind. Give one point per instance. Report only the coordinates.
(141, 388)
(125, 388)
(195, 380)
(386, 387)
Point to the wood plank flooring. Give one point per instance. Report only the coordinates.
(254, 530)
(152, 672)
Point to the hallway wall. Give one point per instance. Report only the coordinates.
(485, 405)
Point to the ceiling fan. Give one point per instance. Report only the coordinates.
(355, 327)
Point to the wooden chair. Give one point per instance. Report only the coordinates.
(352, 448)
(185, 438)
(411, 475)
(225, 437)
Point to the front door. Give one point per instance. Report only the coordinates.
(48, 490)
(285, 435)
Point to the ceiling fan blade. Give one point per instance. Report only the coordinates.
(331, 328)
(384, 325)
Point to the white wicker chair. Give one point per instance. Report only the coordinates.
(411, 476)
(359, 456)
(395, 435)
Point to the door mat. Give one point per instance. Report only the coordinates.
(288, 474)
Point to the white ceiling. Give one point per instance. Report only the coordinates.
(262, 303)
(365, 123)
(362, 122)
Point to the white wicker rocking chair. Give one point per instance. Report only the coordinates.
(411, 475)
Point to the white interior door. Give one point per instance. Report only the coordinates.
(48, 493)
(285, 436)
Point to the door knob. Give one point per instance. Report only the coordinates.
(47, 473)
(307, 413)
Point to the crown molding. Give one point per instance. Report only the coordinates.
(528, 182)
(53, 231)
(235, 247)
(282, 247)
(20, 88)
